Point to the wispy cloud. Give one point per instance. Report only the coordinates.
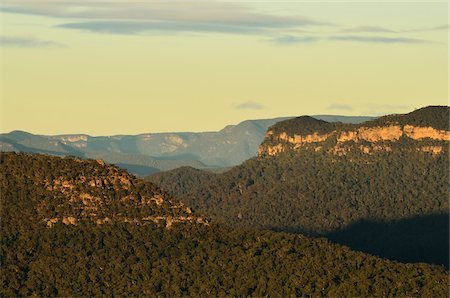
(126, 27)
(379, 39)
(196, 11)
(380, 29)
(123, 18)
(290, 40)
(197, 16)
(339, 107)
(249, 105)
(367, 29)
(27, 42)
(436, 28)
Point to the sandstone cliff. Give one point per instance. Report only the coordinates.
(383, 134)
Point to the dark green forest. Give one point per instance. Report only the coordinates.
(316, 193)
(188, 259)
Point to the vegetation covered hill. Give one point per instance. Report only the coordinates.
(84, 254)
(73, 190)
(345, 187)
(429, 123)
(306, 125)
(433, 116)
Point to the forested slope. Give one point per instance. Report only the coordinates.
(84, 254)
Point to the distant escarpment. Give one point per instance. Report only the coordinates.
(428, 127)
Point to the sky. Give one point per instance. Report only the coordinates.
(129, 67)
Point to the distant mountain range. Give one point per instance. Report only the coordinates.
(149, 153)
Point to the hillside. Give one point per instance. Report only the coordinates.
(341, 181)
(83, 228)
(73, 191)
(149, 153)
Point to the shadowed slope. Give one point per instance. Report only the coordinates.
(418, 239)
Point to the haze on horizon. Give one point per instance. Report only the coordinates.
(115, 67)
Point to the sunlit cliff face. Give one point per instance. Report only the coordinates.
(377, 136)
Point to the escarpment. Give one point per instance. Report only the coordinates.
(374, 136)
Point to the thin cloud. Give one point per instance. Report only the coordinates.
(123, 27)
(292, 40)
(379, 39)
(367, 29)
(339, 107)
(443, 27)
(123, 18)
(436, 28)
(380, 29)
(289, 39)
(218, 12)
(27, 42)
(118, 17)
(249, 105)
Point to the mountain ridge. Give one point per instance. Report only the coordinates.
(148, 153)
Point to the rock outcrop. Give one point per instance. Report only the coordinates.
(76, 190)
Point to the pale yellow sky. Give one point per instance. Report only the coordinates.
(106, 68)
